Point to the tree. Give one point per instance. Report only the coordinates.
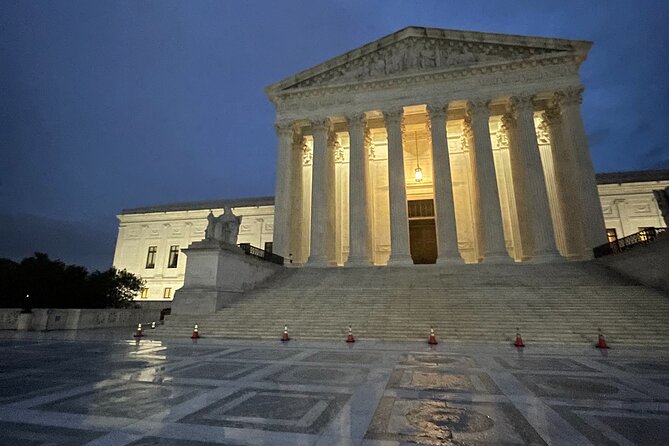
(53, 284)
(114, 288)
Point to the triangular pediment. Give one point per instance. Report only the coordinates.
(417, 50)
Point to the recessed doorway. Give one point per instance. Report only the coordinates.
(422, 232)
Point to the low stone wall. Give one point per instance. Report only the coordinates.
(646, 264)
(74, 318)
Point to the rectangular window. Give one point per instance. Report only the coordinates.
(645, 232)
(167, 293)
(174, 256)
(144, 293)
(151, 257)
(611, 234)
(268, 247)
(421, 208)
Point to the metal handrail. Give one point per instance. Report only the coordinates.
(643, 237)
(261, 253)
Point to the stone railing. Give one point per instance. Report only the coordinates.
(74, 318)
(641, 238)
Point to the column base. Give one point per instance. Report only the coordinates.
(587, 254)
(452, 259)
(400, 260)
(497, 258)
(319, 262)
(547, 257)
(358, 261)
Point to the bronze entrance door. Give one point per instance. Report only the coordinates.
(422, 232)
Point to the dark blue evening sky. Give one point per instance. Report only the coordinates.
(106, 105)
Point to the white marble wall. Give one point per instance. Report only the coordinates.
(164, 229)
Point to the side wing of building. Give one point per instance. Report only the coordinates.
(150, 239)
(628, 203)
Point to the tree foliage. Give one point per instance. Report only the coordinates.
(53, 284)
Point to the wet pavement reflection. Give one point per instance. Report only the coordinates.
(106, 388)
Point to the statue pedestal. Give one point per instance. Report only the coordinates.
(216, 275)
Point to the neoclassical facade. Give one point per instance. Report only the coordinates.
(627, 200)
(436, 146)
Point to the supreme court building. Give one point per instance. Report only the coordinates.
(426, 146)
(436, 145)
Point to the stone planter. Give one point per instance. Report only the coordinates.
(25, 321)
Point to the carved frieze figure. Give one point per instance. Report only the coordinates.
(224, 228)
(662, 198)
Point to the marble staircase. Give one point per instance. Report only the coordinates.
(557, 303)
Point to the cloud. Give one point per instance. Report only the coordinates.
(89, 243)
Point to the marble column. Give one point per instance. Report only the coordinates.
(282, 197)
(494, 246)
(399, 218)
(467, 142)
(447, 236)
(566, 182)
(535, 193)
(322, 220)
(359, 219)
(569, 101)
(297, 199)
(523, 246)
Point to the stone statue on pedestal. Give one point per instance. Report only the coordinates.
(218, 271)
(224, 228)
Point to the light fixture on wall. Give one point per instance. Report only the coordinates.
(418, 171)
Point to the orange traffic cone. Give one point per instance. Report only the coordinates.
(519, 341)
(350, 337)
(601, 340)
(196, 333)
(432, 340)
(285, 337)
(138, 333)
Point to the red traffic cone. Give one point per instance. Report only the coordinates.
(284, 337)
(601, 340)
(138, 333)
(196, 333)
(519, 341)
(350, 337)
(432, 340)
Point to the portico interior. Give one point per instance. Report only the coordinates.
(417, 153)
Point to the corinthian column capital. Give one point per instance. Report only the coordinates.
(569, 96)
(356, 120)
(394, 116)
(508, 122)
(439, 112)
(467, 131)
(321, 125)
(552, 115)
(478, 109)
(521, 104)
(284, 129)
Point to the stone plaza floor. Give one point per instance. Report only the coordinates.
(104, 388)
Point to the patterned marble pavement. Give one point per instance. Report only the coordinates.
(114, 391)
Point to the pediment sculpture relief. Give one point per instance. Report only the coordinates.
(419, 54)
